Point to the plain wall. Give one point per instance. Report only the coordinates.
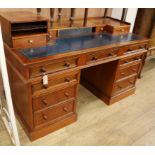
(131, 15)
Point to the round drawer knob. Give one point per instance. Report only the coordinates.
(122, 30)
(66, 94)
(30, 41)
(67, 79)
(42, 69)
(65, 109)
(44, 101)
(50, 35)
(67, 64)
(45, 117)
(101, 28)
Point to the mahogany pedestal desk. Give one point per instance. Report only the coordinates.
(45, 72)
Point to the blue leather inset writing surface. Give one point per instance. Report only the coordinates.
(77, 43)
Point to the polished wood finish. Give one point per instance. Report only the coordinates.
(110, 72)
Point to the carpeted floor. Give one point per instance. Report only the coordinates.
(128, 122)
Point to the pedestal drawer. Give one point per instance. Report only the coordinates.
(124, 84)
(131, 60)
(132, 48)
(53, 66)
(56, 97)
(125, 72)
(54, 113)
(55, 82)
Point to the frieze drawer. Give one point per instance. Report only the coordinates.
(52, 67)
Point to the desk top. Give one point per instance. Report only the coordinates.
(63, 45)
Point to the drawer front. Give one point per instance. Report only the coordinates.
(124, 85)
(55, 81)
(54, 98)
(28, 42)
(131, 60)
(54, 113)
(132, 48)
(102, 55)
(125, 72)
(121, 30)
(53, 67)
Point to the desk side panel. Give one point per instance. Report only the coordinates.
(20, 91)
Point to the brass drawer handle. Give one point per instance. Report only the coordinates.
(30, 41)
(44, 101)
(122, 30)
(65, 109)
(66, 94)
(42, 69)
(44, 117)
(94, 58)
(67, 79)
(67, 64)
